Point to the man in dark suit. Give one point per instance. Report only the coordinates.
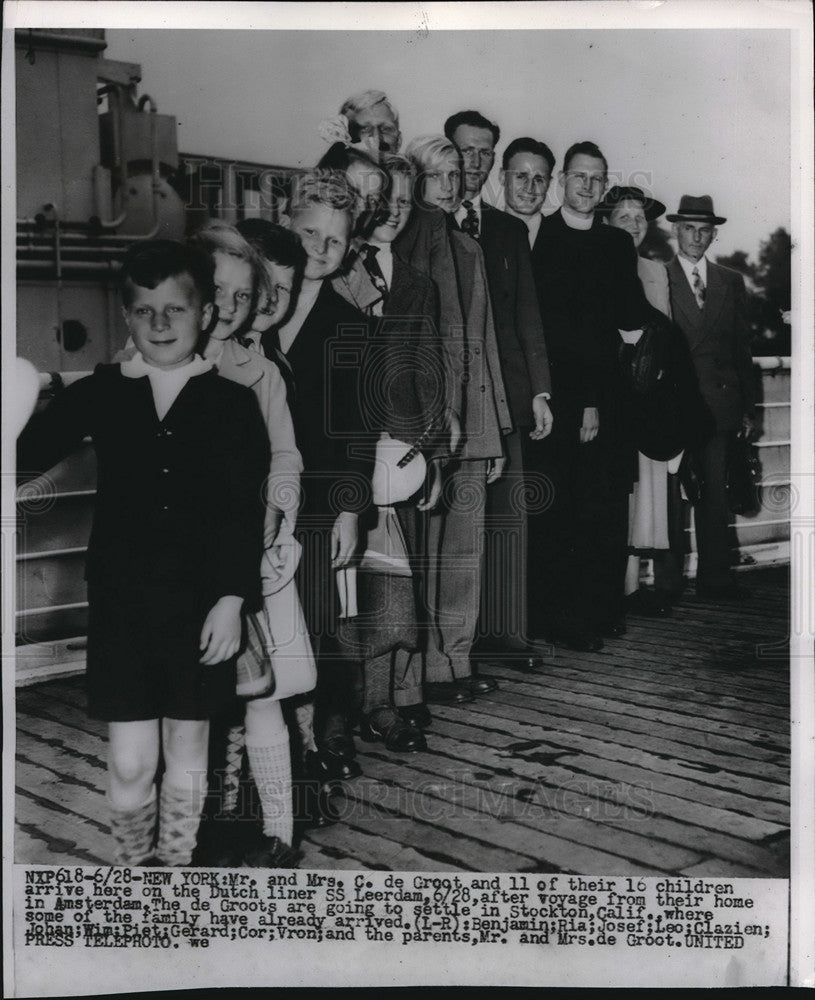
(586, 274)
(525, 368)
(708, 303)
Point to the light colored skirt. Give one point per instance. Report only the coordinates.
(648, 506)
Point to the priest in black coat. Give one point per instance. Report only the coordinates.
(586, 277)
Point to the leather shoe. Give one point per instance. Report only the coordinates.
(648, 604)
(613, 629)
(416, 716)
(336, 758)
(581, 640)
(446, 693)
(725, 592)
(312, 804)
(478, 684)
(272, 852)
(222, 841)
(388, 727)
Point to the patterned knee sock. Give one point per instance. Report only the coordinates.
(134, 831)
(271, 770)
(231, 781)
(179, 819)
(305, 724)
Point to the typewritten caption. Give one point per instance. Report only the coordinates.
(164, 909)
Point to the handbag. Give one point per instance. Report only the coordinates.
(656, 407)
(276, 657)
(743, 475)
(255, 674)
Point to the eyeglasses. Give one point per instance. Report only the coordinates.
(474, 153)
(385, 130)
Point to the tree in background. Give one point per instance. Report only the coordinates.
(657, 244)
(769, 292)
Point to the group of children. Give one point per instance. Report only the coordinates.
(266, 444)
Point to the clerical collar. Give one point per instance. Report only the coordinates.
(575, 221)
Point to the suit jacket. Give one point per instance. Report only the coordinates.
(719, 340)
(326, 358)
(424, 244)
(485, 411)
(518, 327)
(403, 376)
(588, 290)
(179, 501)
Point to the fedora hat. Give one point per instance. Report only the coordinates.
(695, 209)
(653, 208)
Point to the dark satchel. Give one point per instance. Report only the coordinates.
(656, 407)
(743, 475)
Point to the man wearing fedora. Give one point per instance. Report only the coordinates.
(709, 305)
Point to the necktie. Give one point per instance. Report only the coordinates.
(371, 264)
(698, 288)
(469, 224)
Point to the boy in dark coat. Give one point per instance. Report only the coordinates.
(175, 548)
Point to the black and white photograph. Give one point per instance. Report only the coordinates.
(444, 381)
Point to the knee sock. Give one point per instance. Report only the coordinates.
(377, 674)
(304, 714)
(179, 819)
(134, 831)
(267, 746)
(231, 781)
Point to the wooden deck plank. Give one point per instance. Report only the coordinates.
(583, 766)
(768, 701)
(374, 850)
(446, 843)
(772, 767)
(563, 817)
(509, 709)
(653, 826)
(681, 720)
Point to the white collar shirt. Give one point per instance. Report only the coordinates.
(689, 265)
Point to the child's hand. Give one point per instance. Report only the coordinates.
(221, 634)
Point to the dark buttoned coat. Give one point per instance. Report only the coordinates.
(518, 328)
(179, 500)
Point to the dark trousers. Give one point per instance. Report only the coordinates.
(712, 516)
(503, 616)
(578, 531)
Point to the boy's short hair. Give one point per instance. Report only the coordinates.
(216, 236)
(274, 243)
(475, 120)
(150, 262)
(526, 144)
(366, 99)
(585, 148)
(323, 187)
(426, 151)
(395, 163)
